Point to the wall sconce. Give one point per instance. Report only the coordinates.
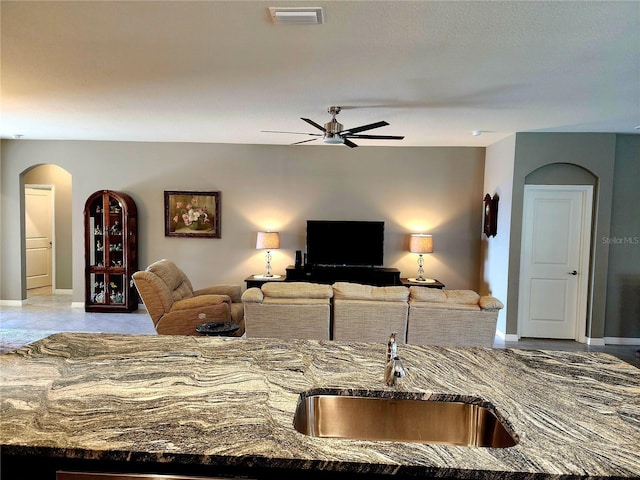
(268, 241)
(421, 243)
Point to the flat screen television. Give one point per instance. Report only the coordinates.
(345, 243)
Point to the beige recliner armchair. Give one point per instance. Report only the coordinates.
(176, 308)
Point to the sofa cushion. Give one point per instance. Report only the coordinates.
(444, 306)
(296, 290)
(199, 302)
(252, 295)
(488, 302)
(464, 297)
(295, 301)
(426, 294)
(356, 291)
(234, 292)
(155, 294)
(175, 280)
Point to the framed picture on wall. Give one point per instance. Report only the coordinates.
(192, 214)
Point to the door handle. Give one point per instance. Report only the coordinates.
(573, 273)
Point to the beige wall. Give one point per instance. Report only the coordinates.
(436, 190)
(495, 250)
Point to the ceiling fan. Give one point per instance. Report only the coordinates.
(334, 132)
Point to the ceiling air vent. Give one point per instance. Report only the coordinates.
(296, 15)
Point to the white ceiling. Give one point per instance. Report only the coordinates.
(221, 72)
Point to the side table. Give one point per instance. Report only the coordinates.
(259, 280)
(408, 283)
(220, 329)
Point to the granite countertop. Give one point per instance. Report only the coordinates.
(231, 401)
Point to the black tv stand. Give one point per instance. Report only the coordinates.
(377, 276)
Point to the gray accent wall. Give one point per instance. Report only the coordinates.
(609, 162)
(623, 281)
(594, 152)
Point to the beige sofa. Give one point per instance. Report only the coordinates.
(352, 312)
(451, 317)
(288, 310)
(369, 314)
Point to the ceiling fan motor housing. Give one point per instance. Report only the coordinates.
(332, 131)
(333, 127)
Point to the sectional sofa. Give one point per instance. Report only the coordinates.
(353, 312)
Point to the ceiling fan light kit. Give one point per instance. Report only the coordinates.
(334, 133)
(332, 139)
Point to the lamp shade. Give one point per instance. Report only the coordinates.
(420, 243)
(268, 241)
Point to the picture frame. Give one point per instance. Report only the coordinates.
(490, 225)
(192, 214)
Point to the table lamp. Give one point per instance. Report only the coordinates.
(421, 243)
(268, 241)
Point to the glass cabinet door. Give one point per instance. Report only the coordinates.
(113, 232)
(110, 252)
(97, 288)
(96, 233)
(116, 289)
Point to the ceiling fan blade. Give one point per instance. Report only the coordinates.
(364, 127)
(304, 141)
(349, 143)
(295, 133)
(378, 137)
(311, 122)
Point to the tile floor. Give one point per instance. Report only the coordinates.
(44, 311)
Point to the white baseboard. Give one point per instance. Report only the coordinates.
(506, 337)
(81, 305)
(63, 291)
(621, 341)
(12, 303)
(600, 342)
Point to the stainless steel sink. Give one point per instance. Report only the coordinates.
(402, 420)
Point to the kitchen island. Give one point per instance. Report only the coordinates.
(209, 406)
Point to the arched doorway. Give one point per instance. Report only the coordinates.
(555, 274)
(58, 181)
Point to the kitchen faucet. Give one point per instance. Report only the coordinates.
(393, 368)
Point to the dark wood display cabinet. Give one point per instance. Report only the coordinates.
(111, 252)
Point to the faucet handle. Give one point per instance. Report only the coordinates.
(398, 368)
(392, 347)
(393, 369)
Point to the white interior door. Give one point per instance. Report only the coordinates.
(39, 236)
(554, 261)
